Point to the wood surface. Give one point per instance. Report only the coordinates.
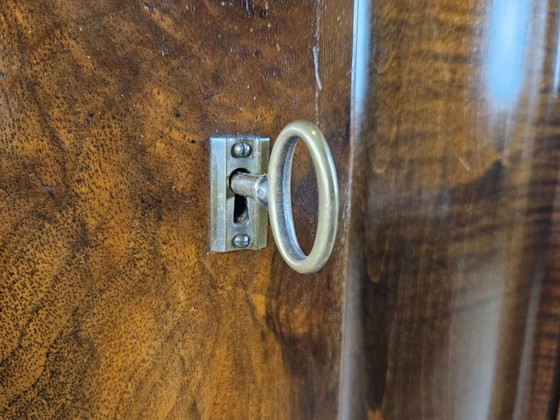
(453, 283)
(111, 305)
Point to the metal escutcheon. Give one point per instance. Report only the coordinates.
(244, 176)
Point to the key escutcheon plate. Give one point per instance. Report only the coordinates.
(229, 154)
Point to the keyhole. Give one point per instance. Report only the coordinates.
(240, 211)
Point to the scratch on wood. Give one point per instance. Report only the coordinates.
(316, 60)
(463, 162)
(315, 50)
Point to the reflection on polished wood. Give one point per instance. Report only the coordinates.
(110, 304)
(453, 296)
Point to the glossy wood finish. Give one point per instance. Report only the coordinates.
(453, 309)
(110, 304)
(544, 393)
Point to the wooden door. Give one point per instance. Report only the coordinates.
(111, 305)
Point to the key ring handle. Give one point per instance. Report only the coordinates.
(280, 202)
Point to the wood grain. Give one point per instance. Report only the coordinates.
(544, 388)
(110, 304)
(452, 309)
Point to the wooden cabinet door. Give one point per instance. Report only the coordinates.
(453, 309)
(111, 305)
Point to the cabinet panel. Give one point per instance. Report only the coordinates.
(452, 307)
(111, 305)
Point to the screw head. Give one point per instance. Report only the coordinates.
(241, 149)
(241, 240)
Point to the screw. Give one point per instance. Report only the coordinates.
(241, 240)
(241, 149)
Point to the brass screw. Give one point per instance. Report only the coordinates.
(241, 240)
(241, 150)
